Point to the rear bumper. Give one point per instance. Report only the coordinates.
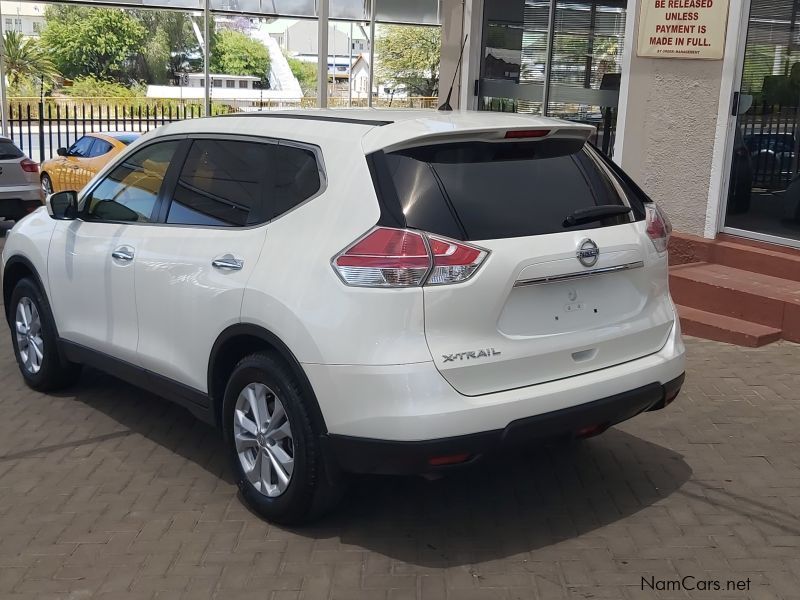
(362, 455)
(19, 202)
(393, 418)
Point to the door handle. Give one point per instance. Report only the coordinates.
(227, 263)
(123, 253)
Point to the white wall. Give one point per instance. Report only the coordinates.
(673, 126)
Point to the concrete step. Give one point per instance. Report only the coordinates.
(720, 328)
(740, 294)
(737, 252)
(776, 263)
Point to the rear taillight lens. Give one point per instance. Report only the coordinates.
(387, 257)
(29, 166)
(453, 261)
(659, 227)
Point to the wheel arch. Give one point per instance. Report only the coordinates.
(240, 340)
(18, 267)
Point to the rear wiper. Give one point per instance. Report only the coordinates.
(595, 213)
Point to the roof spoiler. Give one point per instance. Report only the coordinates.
(523, 133)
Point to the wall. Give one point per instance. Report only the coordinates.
(667, 129)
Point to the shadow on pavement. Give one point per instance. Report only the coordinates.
(490, 511)
(507, 507)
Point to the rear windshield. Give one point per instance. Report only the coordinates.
(483, 190)
(9, 151)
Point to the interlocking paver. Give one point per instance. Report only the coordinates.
(109, 492)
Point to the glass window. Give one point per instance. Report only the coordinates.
(100, 148)
(229, 83)
(220, 184)
(129, 193)
(480, 191)
(82, 148)
(216, 83)
(243, 84)
(9, 151)
(418, 12)
(292, 178)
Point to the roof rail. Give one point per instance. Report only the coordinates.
(312, 117)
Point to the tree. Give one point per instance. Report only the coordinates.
(408, 58)
(170, 43)
(234, 53)
(102, 42)
(306, 74)
(25, 59)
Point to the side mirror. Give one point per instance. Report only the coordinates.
(63, 206)
(61, 151)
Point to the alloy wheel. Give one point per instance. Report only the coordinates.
(263, 437)
(47, 186)
(28, 328)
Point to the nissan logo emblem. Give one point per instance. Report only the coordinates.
(588, 253)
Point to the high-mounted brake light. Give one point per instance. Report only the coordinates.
(29, 166)
(526, 133)
(659, 226)
(387, 257)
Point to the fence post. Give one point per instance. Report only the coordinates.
(41, 130)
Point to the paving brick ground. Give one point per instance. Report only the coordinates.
(108, 492)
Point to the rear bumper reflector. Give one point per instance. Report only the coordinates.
(578, 274)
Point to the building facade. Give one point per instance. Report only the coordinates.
(26, 18)
(710, 132)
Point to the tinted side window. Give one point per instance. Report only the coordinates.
(129, 193)
(82, 147)
(100, 147)
(221, 184)
(292, 178)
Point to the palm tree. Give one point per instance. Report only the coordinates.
(25, 58)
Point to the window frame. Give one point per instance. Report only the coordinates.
(170, 181)
(166, 201)
(179, 156)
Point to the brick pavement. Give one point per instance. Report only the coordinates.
(108, 492)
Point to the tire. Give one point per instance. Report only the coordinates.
(36, 349)
(310, 490)
(47, 184)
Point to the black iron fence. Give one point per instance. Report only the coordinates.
(769, 140)
(39, 129)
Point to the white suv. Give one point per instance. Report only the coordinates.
(356, 291)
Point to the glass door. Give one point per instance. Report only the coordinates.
(764, 189)
(555, 57)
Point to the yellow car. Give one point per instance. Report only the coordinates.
(75, 166)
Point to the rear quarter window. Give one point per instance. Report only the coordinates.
(484, 190)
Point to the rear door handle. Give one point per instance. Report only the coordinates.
(123, 253)
(227, 263)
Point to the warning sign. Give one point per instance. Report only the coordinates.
(683, 28)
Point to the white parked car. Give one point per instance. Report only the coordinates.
(356, 291)
(20, 193)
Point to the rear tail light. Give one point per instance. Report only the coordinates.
(659, 227)
(453, 261)
(387, 257)
(29, 166)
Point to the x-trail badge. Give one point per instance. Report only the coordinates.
(588, 253)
